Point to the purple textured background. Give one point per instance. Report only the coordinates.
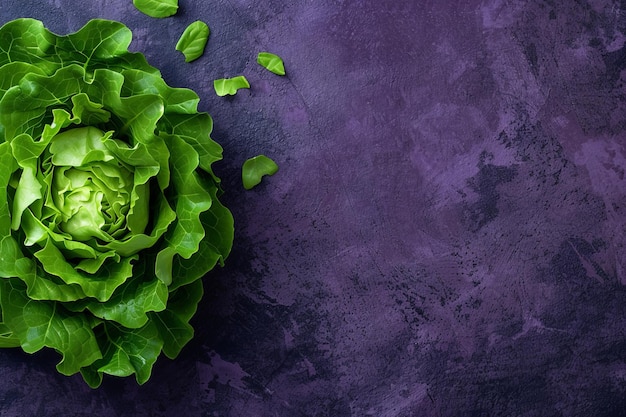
(445, 236)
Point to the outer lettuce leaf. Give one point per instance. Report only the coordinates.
(39, 323)
(173, 323)
(218, 223)
(177, 100)
(109, 206)
(193, 130)
(99, 44)
(125, 352)
(129, 307)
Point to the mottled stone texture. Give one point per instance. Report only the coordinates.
(445, 236)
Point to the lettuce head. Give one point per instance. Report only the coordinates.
(109, 210)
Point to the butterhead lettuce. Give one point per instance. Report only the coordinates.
(109, 209)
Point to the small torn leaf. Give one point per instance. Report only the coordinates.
(271, 62)
(255, 168)
(157, 8)
(229, 86)
(193, 40)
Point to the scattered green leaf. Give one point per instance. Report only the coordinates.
(255, 168)
(230, 86)
(193, 40)
(271, 62)
(157, 8)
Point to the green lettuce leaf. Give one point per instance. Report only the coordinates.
(230, 86)
(157, 8)
(193, 40)
(254, 169)
(271, 62)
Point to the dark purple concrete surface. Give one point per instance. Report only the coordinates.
(445, 236)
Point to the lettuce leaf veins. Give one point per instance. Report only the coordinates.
(109, 208)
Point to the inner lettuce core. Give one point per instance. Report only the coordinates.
(109, 207)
